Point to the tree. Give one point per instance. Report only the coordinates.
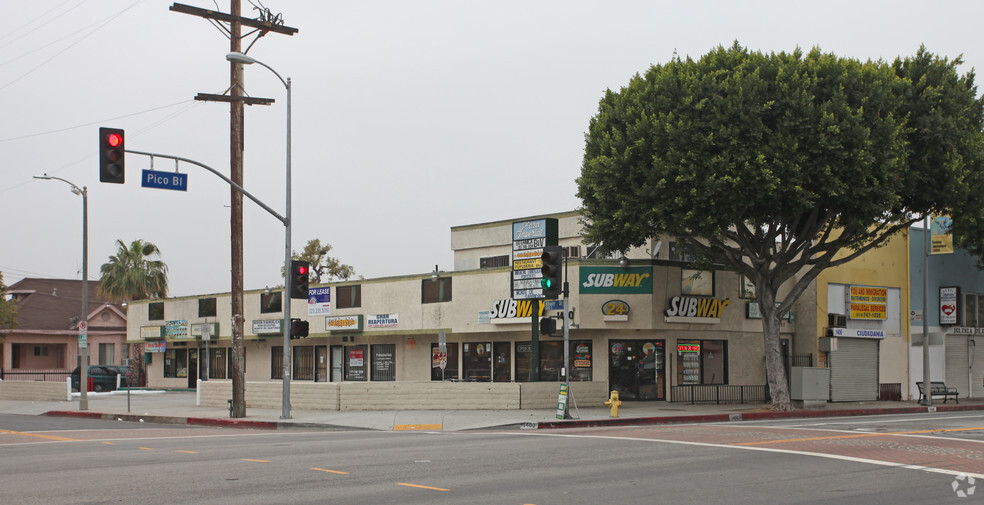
(8, 308)
(323, 267)
(780, 165)
(132, 275)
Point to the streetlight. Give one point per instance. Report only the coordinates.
(83, 349)
(285, 414)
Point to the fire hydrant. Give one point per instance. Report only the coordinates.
(614, 403)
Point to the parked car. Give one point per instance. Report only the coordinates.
(102, 377)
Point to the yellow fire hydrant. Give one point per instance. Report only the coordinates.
(614, 403)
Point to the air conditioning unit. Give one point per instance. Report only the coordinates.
(836, 321)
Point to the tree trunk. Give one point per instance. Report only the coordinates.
(775, 369)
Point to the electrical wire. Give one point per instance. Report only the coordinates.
(100, 121)
(43, 14)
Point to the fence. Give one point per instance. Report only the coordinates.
(719, 394)
(34, 375)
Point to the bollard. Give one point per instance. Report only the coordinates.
(614, 403)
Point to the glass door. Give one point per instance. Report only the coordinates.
(637, 369)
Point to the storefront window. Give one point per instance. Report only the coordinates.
(477, 361)
(303, 368)
(552, 361)
(217, 363)
(383, 362)
(636, 369)
(355, 362)
(450, 360)
(502, 364)
(702, 362)
(176, 363)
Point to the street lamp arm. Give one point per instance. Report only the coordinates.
(50, 177)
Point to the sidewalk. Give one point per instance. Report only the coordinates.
(178, 407)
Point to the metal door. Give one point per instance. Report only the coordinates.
(321, 363)
(854, 370)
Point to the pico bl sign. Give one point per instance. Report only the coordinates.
(164, 180)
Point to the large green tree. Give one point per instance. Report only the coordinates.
(323, 267)
(8, 308)
(133, 273)
(780, 165)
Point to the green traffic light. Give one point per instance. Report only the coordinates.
(545, 283)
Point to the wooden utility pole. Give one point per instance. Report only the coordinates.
(236, 136)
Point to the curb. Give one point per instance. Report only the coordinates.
(749, 416)
(198, 421)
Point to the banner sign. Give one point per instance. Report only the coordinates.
(940, 236)
(319, 301)
(528, 240)
(176, 329)
(155, 347)
(608, 280)
(383, 321)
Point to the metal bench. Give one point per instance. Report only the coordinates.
(938, 389)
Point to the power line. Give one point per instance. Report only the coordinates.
(100, 121)
(43, 14)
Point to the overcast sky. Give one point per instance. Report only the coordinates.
(409, 117)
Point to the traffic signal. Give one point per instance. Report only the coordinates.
(298, 280)
(111, 155)
(548, 326)
(553, 261)
(298, 328)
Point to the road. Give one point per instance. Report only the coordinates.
(872, 460)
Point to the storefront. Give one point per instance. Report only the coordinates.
(636, 369)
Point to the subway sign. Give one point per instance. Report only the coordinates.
(607, 280)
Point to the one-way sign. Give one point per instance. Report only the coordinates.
(164, 180)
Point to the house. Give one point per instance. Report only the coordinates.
(47, 337)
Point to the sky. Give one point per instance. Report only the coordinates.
(408, 117)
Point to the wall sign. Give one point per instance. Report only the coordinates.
(343, 323)
(615, 310)
(868, 303)
(267, 326)
(608, 280)
(948, 304)
(697, 308)
(319, 301)
(852, 332)
(176, 329)
(383, 321)
(155, 347)
(503, 310)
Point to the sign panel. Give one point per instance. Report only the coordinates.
(83, 340)
(948, 304)
(151, 332)
(319, 301)
(513, 309)
(83, 328)
(607, 280)
(155, 347)
(851, 332)
(268, 326)
(529, 239)
(383, 321)
(868, 302)
(164, 180)
(205, 330)
(941, 238)
(343, 323)
(176, 329)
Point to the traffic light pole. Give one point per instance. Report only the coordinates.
(567, 345)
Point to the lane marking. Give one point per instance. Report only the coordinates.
(891, 464)
(146, 448)
(856, 435)
(38, 435)
(886, 421)
(330, 471)
(256, 460)
(422, 487)
(408, 427)
(187, 452)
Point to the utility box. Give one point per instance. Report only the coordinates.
(810, 385)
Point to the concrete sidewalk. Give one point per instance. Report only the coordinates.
(178, 407)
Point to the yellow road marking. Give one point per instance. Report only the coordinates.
(108, 443)
(146, 448)
(187, 452)
(405, 427)
(330, 471)
(38, 435)
(858, 435)
(423, 487)
(256, 460)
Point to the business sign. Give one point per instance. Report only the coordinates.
(528, 239)
(868, 303)
(383, 321)
(155, 346)
(852, 332)
(948, 304)
(319, 301)
(343, 323)
(164, 180)
(268, 326)
(754, 311)
(151, 332)
(607, 280)
(200, 330)
(176, 329)
(688, 347)
(694, 307)
(512, 309)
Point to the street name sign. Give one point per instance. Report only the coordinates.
(164, 180)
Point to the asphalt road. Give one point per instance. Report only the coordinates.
(67, 460)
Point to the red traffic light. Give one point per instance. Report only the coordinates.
(302, 269)
(114, 139)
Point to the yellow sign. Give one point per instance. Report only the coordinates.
(942, 239)
(868, 311)
(865, 294)
(535, 264)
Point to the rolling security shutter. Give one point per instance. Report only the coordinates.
(854, 370)
(976, 368)
(955, 363)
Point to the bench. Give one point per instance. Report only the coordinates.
(938, 389)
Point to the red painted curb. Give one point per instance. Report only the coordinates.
(233, 423)
(74, 413)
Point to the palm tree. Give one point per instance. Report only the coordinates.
(132, 275)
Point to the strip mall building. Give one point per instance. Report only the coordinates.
(652, 327)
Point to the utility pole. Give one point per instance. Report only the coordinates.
(236, 139)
